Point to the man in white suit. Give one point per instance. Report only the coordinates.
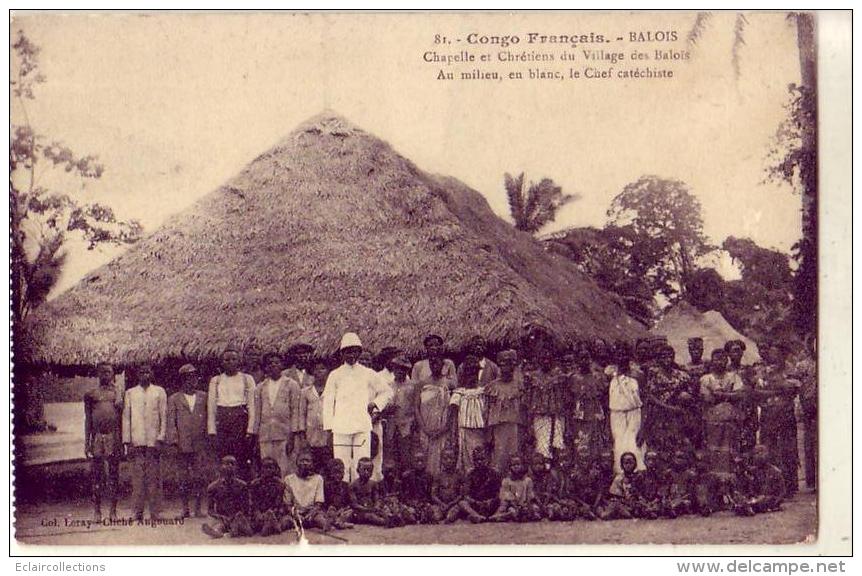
(353, 398)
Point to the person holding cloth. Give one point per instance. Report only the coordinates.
(353, 398)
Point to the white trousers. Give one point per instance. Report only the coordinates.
(624, 428)
(349, 448)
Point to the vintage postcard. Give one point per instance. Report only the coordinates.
(474, 278)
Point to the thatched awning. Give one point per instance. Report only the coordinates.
(329, 231)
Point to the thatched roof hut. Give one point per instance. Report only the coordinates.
(684, 321)
(330, 230)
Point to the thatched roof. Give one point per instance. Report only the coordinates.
(331, 230)
(684, 321)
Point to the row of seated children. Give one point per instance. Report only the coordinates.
(529, 492)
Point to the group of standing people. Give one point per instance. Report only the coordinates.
(589, 401)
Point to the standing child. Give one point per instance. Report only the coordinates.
(303, 494)
(336, 496)
(187, 432)
(400, 425)
(365, 497)
(267, 499)
(504, 409)
(518, 501)
(276, 401)
(481, 489)
(144, 430)
(228, 503)
(102, 442)
(446, 489)
(310, 433)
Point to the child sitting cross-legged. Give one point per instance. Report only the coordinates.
(679, 487)
(648, 484)
(622, 502)
(446, 489)
(761, 485)
(336, 495)
(267, 499)
(575, 498)
(228, 503)
(518, 502)
(481, 489)
(416, 491)
(303, 494)
(547, 483)
(366, 499)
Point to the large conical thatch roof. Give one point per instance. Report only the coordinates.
(684, 321)
(331, 230)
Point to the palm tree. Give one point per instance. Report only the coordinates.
(538, 205)
(803, 159)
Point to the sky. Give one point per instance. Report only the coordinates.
(175, 104)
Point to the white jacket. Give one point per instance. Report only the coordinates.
(348, 392)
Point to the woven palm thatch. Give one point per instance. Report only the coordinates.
(329, 231)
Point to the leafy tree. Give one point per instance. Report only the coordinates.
(538, 205)
(663, 220)
(793, 159)
(705, 290)
(613, 258)
(44, 217)
(769, 268)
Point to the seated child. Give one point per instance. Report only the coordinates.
(481, 489)
(228, 503)
(575, 499)
(336, 496)
(416, 492)
(446, 489)
(679, 487)
(366, 499)
(303, 494)
(267, 499)
(708, 489)
(762, 485)
(623, 499)
(649, 482)
(518, 501)
(546, 485)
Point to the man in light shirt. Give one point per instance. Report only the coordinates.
(144, 428)
(231, 411)
(353, 398)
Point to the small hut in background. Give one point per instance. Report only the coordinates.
(684, 321)
(329, 231)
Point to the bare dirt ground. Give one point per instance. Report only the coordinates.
(797, 522)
